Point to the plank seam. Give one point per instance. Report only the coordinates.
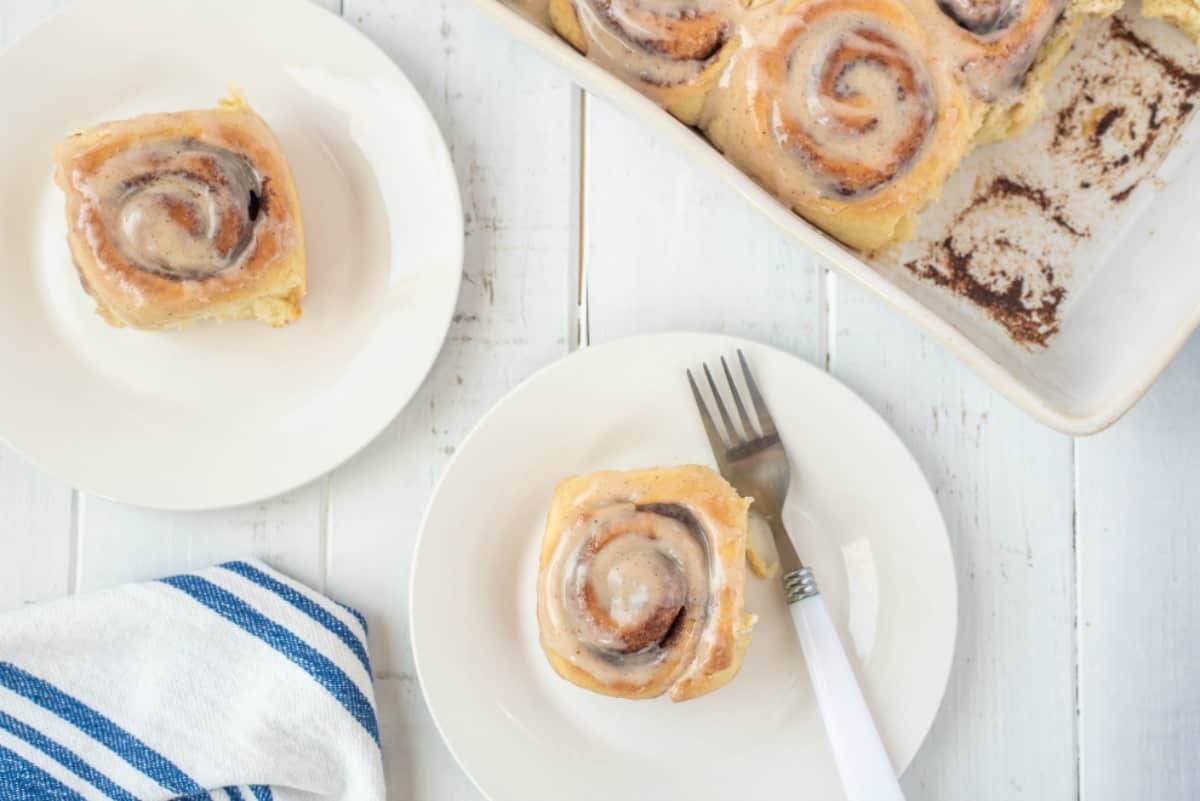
(324, 538)
(73, 549)
(578, 328)
(1076, 628)
(825, 312)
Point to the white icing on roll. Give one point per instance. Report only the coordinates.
(177, 208)
(993, 42)
(641, 581)
(851, 99)
(625, 586)
(659, 42)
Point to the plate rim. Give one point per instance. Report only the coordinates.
(954, 617)
(213, 502)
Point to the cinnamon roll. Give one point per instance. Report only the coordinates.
(640, 588)
(993, 42)
(671, 50)
(1005, 50)
(175, 218)
(844, 112)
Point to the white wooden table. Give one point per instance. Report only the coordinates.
(1077, 673)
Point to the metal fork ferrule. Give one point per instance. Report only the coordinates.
(800, 584)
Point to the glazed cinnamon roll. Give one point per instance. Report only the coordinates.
(1005, 50)
(671, 50)
(844, 112)
(641, 582)
(174, 218)
(993, 42)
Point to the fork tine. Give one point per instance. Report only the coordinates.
(731, 432)
(747, 426)
(760, 406)
(714, 437)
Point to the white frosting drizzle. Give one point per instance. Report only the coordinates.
(641, 596)
(833, 107)
(993, 42)
(616, 609)
(867, 92)
(177, 208)
(631, 37)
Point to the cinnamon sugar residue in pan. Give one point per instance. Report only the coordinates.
(1127, 104)
(975, 261)
(1013, 243)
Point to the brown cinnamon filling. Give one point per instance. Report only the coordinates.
(650, 629)
(982, 17)
(648, 626)
(646, 630)
(850, 112)
(189, 212)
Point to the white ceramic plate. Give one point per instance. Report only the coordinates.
(224, 414)
(859, 508)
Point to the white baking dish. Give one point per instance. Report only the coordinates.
(1131, 285)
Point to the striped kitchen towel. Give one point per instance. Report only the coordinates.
(231, 684)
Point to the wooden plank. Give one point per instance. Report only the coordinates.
(1007, 725)
(35, 533)
(120, 543)
(416, 763)
(1139, 600)
(668, 247)
(506, 117)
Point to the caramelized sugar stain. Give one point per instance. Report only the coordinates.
(992, 268)
(1121, 109)
(1117, 126)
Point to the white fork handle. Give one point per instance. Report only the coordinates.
(862, 762)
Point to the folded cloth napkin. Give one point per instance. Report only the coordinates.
(232, 684)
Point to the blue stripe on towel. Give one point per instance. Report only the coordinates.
(357, 616)
(21, 780)
(261, 792)
(99, 728)
(234, 794)
(325, 672)
(305, 605)
(63, 756)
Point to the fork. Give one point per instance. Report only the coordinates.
(755, 463)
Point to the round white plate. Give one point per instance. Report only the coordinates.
(859, 508)
(224, 414)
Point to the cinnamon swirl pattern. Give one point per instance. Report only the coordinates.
(844, 113)
(173, 218)
(640, 587)
(672, 50)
